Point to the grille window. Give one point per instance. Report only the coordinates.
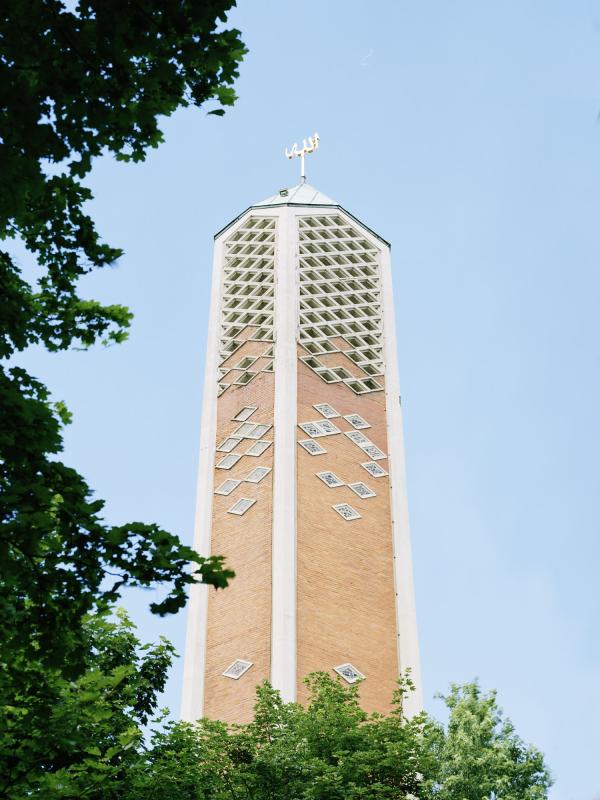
(340, 296)
(248, 293)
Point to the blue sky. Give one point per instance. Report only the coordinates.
(466, 134)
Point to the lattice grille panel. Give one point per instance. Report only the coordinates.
(248, 297)
(340, 303)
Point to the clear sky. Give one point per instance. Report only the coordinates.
(466, 134)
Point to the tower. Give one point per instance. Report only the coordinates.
(301, 479)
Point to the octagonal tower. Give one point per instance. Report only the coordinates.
(301, 478)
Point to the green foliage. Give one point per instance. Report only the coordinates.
(76, 83)
(480, 755)
(76, 738)
(59, 559)
(332, 750)
(91, 743)
(78, 80)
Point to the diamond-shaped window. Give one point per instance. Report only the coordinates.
(227, 486)
(361, 489)
(330, 479)
(355, 436)
(357, 421)
(326, 410)
(312, 447)
(229, 444)
(374, 469)
(242, 505)
(245, 413)
(258, 448)
(346, 511)
(373, 452)
(257, 474)
(237, 669)
(228, 461)
(349, 673)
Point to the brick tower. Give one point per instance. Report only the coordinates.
(301, 479)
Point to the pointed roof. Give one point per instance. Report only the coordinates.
(302, 195)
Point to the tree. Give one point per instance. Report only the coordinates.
(93, 730)
(94, 746)
(330, 749)
(479, 755)
(78, 80)
(333, 750)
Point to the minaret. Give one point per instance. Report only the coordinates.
(301, 478)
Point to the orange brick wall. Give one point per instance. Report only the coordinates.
(239, 618)
(346, 597)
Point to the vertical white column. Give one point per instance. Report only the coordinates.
(406, 616)
(283, 626)
(192, 701)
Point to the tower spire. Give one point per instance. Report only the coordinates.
(300, 152)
